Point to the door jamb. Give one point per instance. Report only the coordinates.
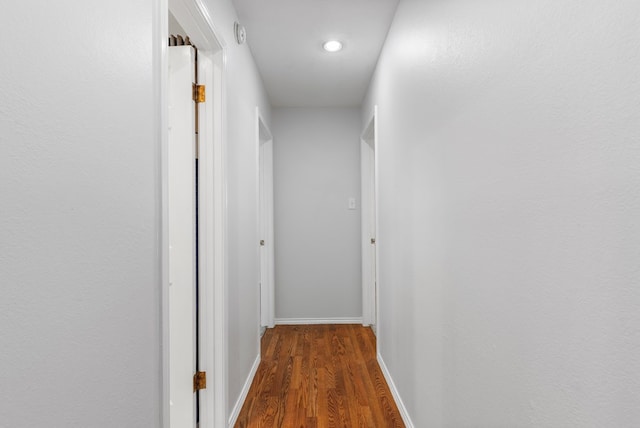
(196, 20)
(262, 130)
(370, 289)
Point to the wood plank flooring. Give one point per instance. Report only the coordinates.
(319, 376)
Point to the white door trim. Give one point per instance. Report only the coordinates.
(265, 221)
(212, 240)
(369, 273)
(160, 33)
(194, 17)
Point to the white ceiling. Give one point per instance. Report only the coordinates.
(286, 37)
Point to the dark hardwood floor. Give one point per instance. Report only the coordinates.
(318, 376)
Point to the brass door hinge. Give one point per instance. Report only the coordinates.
(198, 93)
(199, 381)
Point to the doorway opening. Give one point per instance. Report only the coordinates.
(193, 210)
(368, 147)
(266, 224)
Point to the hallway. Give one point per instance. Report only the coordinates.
(319, 376)
(504, 237)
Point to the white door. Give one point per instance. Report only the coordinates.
(182, 242)
(265, 224)
(369, 230)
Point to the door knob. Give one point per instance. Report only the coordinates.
(373, 240)
(262, 242)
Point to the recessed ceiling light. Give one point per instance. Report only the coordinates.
(332, 46)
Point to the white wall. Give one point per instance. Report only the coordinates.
(244, 91)
(79, 216)
(317, 242)
(80, 186)
(509, 238)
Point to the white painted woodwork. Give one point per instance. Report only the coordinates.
(214, 219)
(211, 241)
(197, 23)
(231, 209)
(265, 220)
(194, 17)
(206, 240)
(369, 247)
(232, 230)
(306, 321)
(181, 158)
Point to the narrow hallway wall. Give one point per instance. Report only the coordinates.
(244, 92)
(80, 335)
(81, 212)
(509, 240)
(317, 170)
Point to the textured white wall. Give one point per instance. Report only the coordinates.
(244, 91)
(79, 221)
(509, 239)
(79, 216)
(317, 169)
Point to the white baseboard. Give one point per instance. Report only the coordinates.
(243, 394)
(302, 321)
(396, 395)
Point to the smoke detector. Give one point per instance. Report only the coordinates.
(240, 32)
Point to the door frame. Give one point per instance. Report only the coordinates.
(194, 17)
(369, 215)
(265, 223)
